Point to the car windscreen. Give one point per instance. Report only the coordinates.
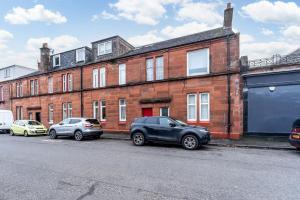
(33, 123)
(92, 121)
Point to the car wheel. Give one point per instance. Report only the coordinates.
(25, 133)
(11, 133)
(78, 136)
(190, 142)
(138, 139)
(52, 134)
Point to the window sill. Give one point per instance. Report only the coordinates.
(122, 122)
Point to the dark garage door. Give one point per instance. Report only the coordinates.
(272, 103)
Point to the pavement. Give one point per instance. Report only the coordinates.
(37, 168)
(258, 142)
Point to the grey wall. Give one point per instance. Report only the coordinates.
(272, 112)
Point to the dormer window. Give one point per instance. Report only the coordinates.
(80, 55)
(104, 48)
(56, 60)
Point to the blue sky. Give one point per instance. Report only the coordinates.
(266, 27)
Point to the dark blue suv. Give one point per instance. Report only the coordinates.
(169, 130)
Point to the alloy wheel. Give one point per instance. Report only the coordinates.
(78, 135)
(190, 142)
(52, 134)
(25, 133)
(138, 139)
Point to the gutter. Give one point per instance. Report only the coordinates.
(228, 88)
(81, 89)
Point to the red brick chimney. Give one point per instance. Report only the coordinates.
(44, 64)
(228, 14)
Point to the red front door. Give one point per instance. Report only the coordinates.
(147, 112)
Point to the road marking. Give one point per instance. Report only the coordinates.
(52, 141)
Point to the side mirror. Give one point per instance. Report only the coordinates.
(172, 124)
(61, 123)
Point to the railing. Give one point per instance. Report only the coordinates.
(275, 60)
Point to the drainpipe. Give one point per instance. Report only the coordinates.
(228, 88)
(81, 96)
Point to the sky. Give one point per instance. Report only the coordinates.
(265, 27)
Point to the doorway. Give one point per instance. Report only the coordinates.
(38, 116)
(147, 112)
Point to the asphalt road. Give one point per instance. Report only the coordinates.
(40, 168)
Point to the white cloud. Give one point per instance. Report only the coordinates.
(38, 13)
(186, 29)
(148, 38)
(142, 12)
(201, 12)
(60, 43)
(267, 32)
(269, 12)
(245, 38)
(5, 36)
(105, 15)
(292, 33)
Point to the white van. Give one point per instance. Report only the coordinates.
(6, 120)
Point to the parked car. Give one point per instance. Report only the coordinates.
(27, 128)
(77, 128)
(294, 138)
(166, 129)
(6, 120)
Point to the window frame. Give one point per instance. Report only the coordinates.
(208, 62)
(77, 55)
(7, 73)
(70, 82)
(160, 111)
(105, 46)
(200, 106)
(36, 85)
(120, 110)
(95, 78)
(17, 89)
(64, 83)
(157, 75)
(188, 104)
(64, 111)
(70, 109)
(148, 69)
(101, 110)
(50, 113)
(102, 71)
(1, 93)
(95, 107)
(50, 84)
(122, 71)
(32, 88)
(54, 58)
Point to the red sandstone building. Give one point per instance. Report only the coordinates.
(195, 78)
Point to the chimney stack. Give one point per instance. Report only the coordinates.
(44, 64)
(228, 14)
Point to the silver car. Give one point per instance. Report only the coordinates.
(77, 128)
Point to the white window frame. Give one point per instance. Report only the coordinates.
(54, 58)
(78, 52)
(64, 82)
(18, 89)
(102, 72)
(149, 69)
(50, 113)
(30, 115)
(50, 84)
(2, 93)
(36, 85)
(120, 110)
(200, 106)
(122, 74)
(32, 89)
(104, 48)
(159, 69)
(188, 104)
(160, 111)
(101, 110)
(19, 112)
(95, 78)
(65, 111)
(95, 108)
(70, 110)
(187, 59)
(70, 82)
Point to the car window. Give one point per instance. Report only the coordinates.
(139, 120)
(21, 123)
(164, 121)
(66, 121)
(92, 121)
(33, 123)
(74, 121)
(16, 122)
(151, 120)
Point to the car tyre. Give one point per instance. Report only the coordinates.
(11, 133)
(138, 139)
(190, 142)
(52, 134)
(25, 133)
(78, 135)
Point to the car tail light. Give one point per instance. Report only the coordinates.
(88, 125)
(296, 130)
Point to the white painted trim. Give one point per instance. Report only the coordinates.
(187, 107)
(187, 62)
(208, 103)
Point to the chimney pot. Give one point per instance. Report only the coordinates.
(228, 14)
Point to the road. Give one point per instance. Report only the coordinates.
(39, 168)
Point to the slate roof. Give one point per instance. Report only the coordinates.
(184, 40)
